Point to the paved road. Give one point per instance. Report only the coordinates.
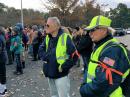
(33, 84)
(125, 39)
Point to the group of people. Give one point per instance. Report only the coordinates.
(106, 61)
(107, 65)
(13, 44)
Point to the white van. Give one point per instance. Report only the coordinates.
(128, 31)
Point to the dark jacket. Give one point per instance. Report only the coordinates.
(8, 40)
(25, 38)
(100, 87)
(84, 45)
(51, 67)
(3, 52)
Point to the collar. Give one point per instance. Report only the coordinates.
(60, 31)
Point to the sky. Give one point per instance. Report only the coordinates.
(33, 4)
(113, 3)
(38, 4)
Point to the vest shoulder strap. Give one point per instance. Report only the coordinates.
(114, 44)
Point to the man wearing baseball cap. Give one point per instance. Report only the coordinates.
(109, 64)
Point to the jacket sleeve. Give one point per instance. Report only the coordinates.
(42, 51)
(100, 87)
(85, 43)
(70, 50)
(16, 41)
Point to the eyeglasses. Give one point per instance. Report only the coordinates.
(93, 29)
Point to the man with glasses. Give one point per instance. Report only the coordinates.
(109, 63)
(58, 54)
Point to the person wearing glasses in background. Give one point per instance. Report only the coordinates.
(109, 63)
(59, 55)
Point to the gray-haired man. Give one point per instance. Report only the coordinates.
(59, 54)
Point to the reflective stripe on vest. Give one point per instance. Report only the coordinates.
(47, 42)
(93, 65)
(61, 54)
(94, 56)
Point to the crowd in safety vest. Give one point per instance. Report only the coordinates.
(106, 64)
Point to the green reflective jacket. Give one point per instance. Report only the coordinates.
(92, 66)
(61, 54)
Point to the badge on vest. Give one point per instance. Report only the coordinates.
(109, 61)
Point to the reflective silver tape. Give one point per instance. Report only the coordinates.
(90, 76)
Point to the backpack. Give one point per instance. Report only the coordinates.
(125, 85)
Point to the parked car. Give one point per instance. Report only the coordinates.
(128, 31)
(119, 32)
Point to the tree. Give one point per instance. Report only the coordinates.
(72, 12)
(120, 16)
(9, 16)
(2, 6)
(62, 9)
(90, 11)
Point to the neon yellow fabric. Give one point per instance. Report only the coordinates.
(99, 21)
(61, 54)
(92, 67)
(95, 56)
(117, 93)
(47, 42)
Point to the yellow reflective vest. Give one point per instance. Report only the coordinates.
(92, 67)
(61, 48)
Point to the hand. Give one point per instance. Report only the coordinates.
(60, 69)
(28, 43)
(45, 62)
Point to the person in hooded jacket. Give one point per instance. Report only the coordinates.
(16, 47)
(59, 55)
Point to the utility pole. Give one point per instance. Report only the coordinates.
(22, 14)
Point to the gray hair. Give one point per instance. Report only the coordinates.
(34, 27)
(110, 29)
(55, 20)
